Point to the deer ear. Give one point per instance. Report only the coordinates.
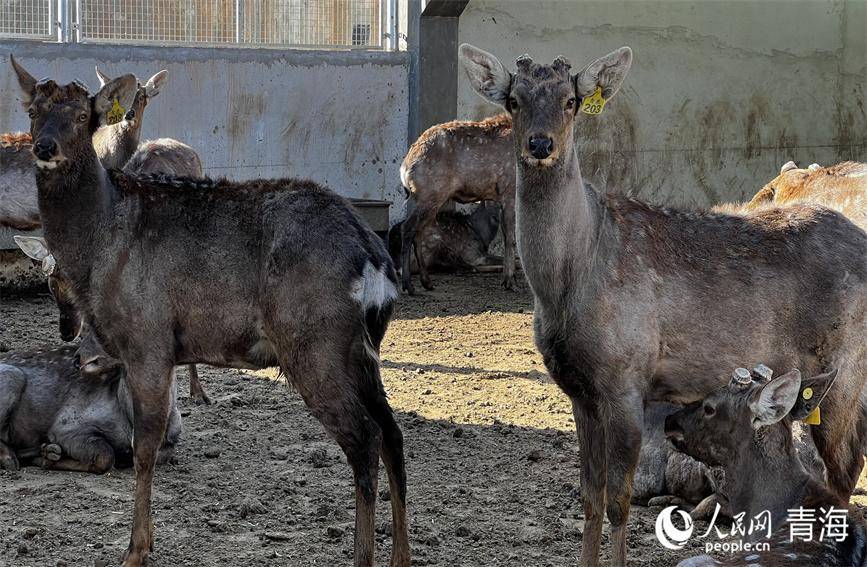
(812, 392)
(788, 166)
(103, 78)
(25, 80)
(120, 89)
(607, 72)
(486, 74)
(157, 82)
(33, 246)
(773, 401)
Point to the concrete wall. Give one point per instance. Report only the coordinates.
(720, 93)
(339, 118)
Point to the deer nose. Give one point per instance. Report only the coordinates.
(541, 146)
(44, 149)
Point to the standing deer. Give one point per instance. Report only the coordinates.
(173, 271)
(466, 162)
(746, 428)
(635, 302)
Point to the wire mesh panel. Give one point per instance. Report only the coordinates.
(338, 23)
(27, 18)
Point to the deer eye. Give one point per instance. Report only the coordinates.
(31, 112)
(709, 410)
(570, 104)
(82, 117)
(513, 103)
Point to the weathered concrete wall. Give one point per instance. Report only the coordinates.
(720, 93)
(339, 118)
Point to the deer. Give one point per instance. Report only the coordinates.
(746, 429)
(115, 144)
(290, 274)
(466, 162)
(842, 187)
(94, 361)
(635, 302)
(53, 416)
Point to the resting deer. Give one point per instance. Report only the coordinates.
(746, 428)
(637, 303)
(174, 271)
(464, 161)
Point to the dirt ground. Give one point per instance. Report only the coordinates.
(492, 458)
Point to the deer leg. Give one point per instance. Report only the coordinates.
(150, 385)
(91, 454)
(623, 435)
(839, 441)
(197, 393)
(507, 225)
(12, 384)
(594, 461)
(407, 238)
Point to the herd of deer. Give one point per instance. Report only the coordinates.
(156, 266)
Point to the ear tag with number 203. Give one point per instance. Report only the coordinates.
(594, 103)
(116, 113)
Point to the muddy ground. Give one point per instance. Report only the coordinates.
(492, 458)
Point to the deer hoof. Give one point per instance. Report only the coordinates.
(200, 399)
(9, 463)
(51, 452)
(509, 284)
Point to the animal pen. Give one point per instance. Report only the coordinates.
(638, 226)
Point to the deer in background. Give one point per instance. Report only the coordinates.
(746, 428)
(173, 271)
(466, 162)
(637, 303)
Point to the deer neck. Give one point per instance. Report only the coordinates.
(559, 220)
(116, 143)
(767, 476)
(74, 203)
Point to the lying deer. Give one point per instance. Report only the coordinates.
(94, 361)
(637, 303)
(746, 428)
(174, 271)
(57, 418)
(466, 162)
(455, 242)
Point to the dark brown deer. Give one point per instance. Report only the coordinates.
(746, 428)
(635, 302)
(466, 162)
(174, 271)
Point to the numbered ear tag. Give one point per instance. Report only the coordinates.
(815, 418)
(116, 113)
(594, 103)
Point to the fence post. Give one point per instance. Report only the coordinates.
(392, 40)
(238, 9)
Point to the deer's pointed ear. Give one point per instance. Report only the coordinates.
(773, 401)
(607, 72)
(121, 89)
(156, 83)
(103, 78)
(33, 246)
(486, 74)
(812, 392)
(25, 80)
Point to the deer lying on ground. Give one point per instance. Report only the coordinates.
(638, 303)
(174, 271)
(746, 428)
(454, 242)
(56, 418)
(466, 162)
(94, 361)
(115, 145)
(842, 187)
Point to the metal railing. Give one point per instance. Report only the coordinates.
(347, 24)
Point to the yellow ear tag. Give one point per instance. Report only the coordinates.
(116, 113)
(594, 103)
(807, 393)
(815, 418)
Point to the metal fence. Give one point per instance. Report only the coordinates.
(365, 24)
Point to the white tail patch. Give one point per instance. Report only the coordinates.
(403, 176)
(373, 288)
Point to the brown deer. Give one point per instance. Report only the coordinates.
(746, 428)
(637, 303)
(842, 187)
(466, 162)
(172, 270)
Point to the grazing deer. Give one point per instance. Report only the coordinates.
(842, 187)
(57, 418)
(635, 302)
(265, 273)
(746, 428)
(464, 161)
(93, 358)
(455, 242)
